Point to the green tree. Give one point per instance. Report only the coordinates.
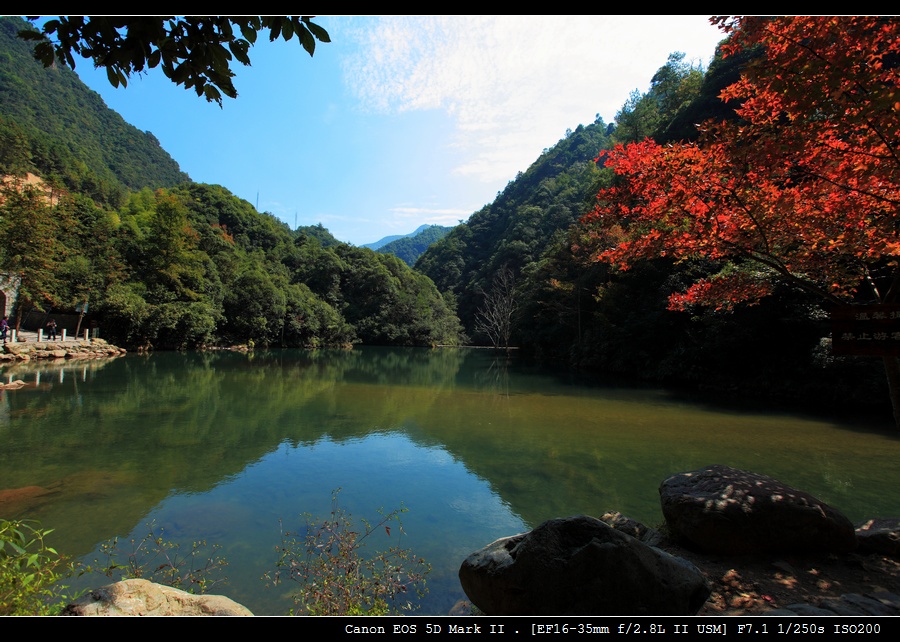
(171, 253)
(672, 88)
(638, 118)
(28, 244)
(15, 155)
(92, 263)
(255, 306)
(194, 51)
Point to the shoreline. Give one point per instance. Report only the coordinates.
(73, 349)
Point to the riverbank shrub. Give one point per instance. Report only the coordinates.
(327, 560)
(30, 571)
(160, 560)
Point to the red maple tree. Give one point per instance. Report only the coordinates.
(803, 188)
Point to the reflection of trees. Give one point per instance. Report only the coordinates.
(496, 378)
(119, 441)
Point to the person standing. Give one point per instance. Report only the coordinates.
(51, 329)
(4, 328)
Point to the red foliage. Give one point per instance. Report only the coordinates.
(223, 230)
(805, 188)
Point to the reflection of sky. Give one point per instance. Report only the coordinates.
(451, 512)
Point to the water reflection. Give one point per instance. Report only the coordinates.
(220, 446)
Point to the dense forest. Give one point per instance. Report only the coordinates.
(169, 263)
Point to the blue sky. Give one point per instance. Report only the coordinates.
(401, 121)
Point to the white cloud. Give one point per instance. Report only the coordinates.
(514, 84)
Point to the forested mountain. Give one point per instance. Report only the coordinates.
(409, 248)
(53, 125)
(167, 263)
(205, 266)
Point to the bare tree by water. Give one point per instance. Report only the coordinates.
(494, 318)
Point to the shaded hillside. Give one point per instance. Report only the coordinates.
(53, 125)
(530, 214)
(532, 225)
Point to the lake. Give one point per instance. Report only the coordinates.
(224, 447)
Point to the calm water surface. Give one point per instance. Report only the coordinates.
(222, 446)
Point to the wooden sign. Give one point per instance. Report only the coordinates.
(868, 330)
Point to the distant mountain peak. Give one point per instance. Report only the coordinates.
(409, 247)
(388, 239)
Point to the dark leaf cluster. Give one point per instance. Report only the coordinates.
(194, 51)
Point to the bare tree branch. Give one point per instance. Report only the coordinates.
(495, 316)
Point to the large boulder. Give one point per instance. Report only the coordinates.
(580, 566)
(141, 597)
(726, 510)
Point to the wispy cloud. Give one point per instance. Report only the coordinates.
(416, 212)
(513, 84)
(401, 218)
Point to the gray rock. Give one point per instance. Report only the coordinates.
(140, 597)
(856, 604)
(878, 603)
(580, 566)
(879, 535)
(799, 609)
(726, 510)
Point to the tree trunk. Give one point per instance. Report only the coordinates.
(891, 364)
(892, 370)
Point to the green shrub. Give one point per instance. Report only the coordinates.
(30, 571)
